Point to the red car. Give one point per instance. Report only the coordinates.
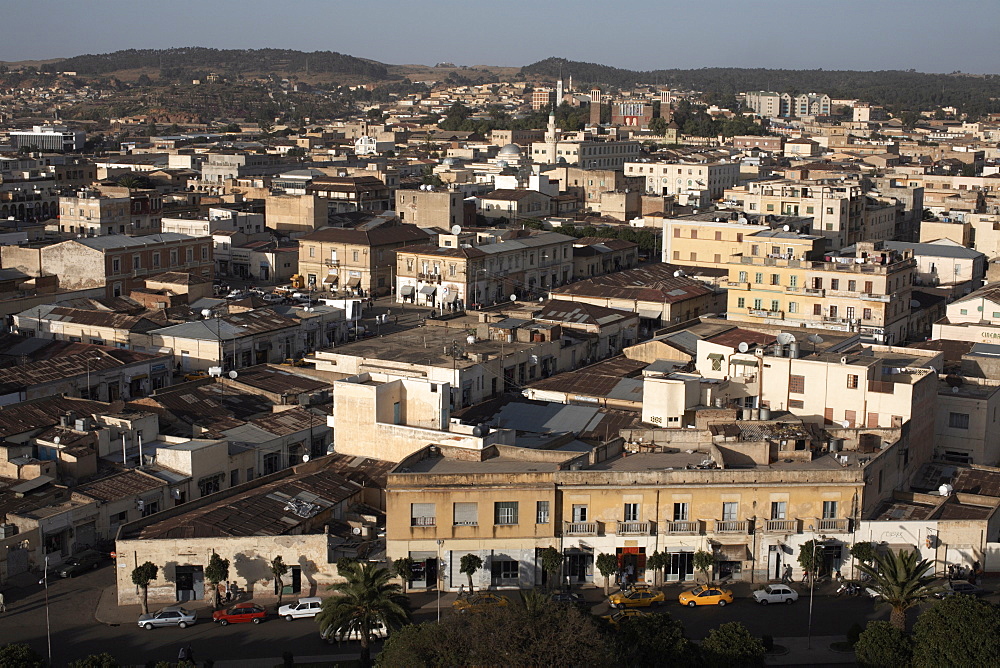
(241, 612)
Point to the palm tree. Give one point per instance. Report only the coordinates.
(901, 581)
(366, 600)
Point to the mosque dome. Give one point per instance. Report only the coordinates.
(510, 149)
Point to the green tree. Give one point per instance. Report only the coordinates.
(232, 128)
(403, 568)
(102, 660)
(863, 552)
(607, 564)
(811, 557)
(142, 575)
(552, 561)
(882, 644)
(363, 602)
(958, 631)
(19, 655)
(658, 126)
(652, 640)
(217, 571)
(469, 564)
(901, 581)
(278, 570)
(732, 645)
(535, 601)
(656, 562)
(704, 561)
(151, 129)
(345, 564)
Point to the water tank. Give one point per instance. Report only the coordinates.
(765, 413)
(754, 413)
(793, 349)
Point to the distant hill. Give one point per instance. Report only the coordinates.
(222, 61)
(897, 90)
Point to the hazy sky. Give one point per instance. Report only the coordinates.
(637, 34)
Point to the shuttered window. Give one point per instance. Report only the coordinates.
(466, 514)
(422, 515)
(797, 384)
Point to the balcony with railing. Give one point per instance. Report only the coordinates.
(732, 526)
(430, 278)
(581, 528)
(634, 528)
(781, 526)
(682, 527)
(332, 263)
(834, 525)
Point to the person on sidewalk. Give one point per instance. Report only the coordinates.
(3, 603)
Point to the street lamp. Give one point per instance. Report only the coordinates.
(812, 581)
(48, 627)
(438, 569)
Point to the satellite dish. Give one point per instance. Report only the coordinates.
(954, 390)
(206, 313)
(784, 338)
(58, 440)
(534, 359)
(914, 303)
(787, 228)
(513, 297)
(743, 347)
(678, 273)
(815, 338)
(175, 493)
(233, 375)
(305, 458)
(470, 339)
(456, 229)
(845, 424)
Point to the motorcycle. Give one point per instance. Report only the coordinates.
(849, 589)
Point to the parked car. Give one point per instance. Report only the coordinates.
(172, 615)
(240, 613)
(960, 587)
(479, 602)
(616, 617)
(195, 375)
(237, 294)
(706, 595)
(304, 607)
(566, 597)
(81, 563)
(775, 593)
(293, 361)
(327, 634)
(272, 298)
(637, 598)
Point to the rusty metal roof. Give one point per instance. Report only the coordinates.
(124, 485)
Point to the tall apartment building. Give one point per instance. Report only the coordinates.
(837, 209)
(542, 98)
(585, 153)
(111, 210)
(770, 103)
(352, 193)
(664, 178)
(868, 293)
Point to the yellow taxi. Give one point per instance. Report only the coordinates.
(637, 598)
(480, 602)
(195, 375)
(292, 361)
(706, 595)
(619, 615)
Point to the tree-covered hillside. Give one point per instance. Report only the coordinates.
(223, 61)
(897, 90)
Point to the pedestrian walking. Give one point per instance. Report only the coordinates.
(182, 655)
(395, 319)
(786, 575)
(3, 603)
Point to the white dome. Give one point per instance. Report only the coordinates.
(448, 161)
(510, 149)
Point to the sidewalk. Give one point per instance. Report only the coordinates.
(819, 654)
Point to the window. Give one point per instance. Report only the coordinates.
(775, 305)
(505, 512)
(503, 571)
(793, 281)
(797, 384)
(136, 262)
(156, 260)
(829, 510)
(852, 381)
(852, 286)
(272, 462)
(579, 512)
(542, 512)
(958, 420)
(778, 509)
(741, 302)
(694, 234)
(210, 484)
(422, 515)
(758, 278)
(149, 507)
(716, 364)
(796, 403)
(867, 314)
(869, 287)
(743, 277)
(833, 311)
(793, 307)
(729, 511)
(234, 477)
(680, 512)
(354, 256)
(758, 304)
(631, 512)
(466, 514)
(718, 236)
(775, 279)
(189, 254)
(116, 266)
(677, 232)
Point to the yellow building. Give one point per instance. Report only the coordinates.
(708, 239)
(869, 293)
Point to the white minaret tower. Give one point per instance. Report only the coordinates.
(559, 93)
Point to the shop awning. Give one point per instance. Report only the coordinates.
(354, 282)
(428, 289)
(650, 314)
(716, 356)
(737, 552)
(406, 290)
(740, 362)
(451, 296)
(331, 278)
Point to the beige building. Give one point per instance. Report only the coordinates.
(966, 421)
(424, 207)
(110, 210)
(974, 317)
(361, 259)
(869, 293)
(709, 239)
(662, 178)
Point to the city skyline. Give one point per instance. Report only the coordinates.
(779, 34)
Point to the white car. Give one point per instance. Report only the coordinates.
(304, 607)
(272, 298)
(775, 593)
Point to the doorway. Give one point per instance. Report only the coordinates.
(190, 580)
(774, 561)
(680, 566)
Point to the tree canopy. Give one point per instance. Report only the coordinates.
(957, 631)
